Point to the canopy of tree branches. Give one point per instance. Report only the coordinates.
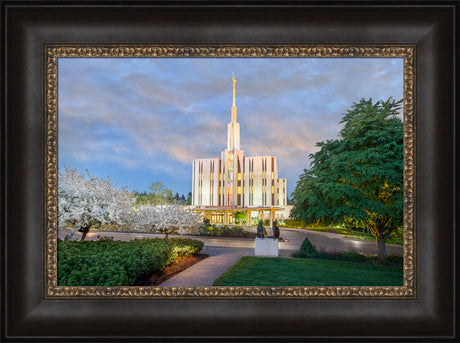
(85, 201)
(358, 178)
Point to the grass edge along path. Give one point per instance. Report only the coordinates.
(272, 271)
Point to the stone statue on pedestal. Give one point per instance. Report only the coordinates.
(276, 230)
(260, 230)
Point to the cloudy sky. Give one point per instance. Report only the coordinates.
(142, 120)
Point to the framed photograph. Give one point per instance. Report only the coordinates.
(139, 93)
(137, 136)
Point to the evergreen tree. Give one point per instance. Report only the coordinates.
(189, 199)
(176, 197)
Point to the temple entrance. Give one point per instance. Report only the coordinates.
(238, 215)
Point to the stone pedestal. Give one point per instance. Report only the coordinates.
(266, 247)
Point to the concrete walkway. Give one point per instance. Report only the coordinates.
(224, 253)
(203, 273)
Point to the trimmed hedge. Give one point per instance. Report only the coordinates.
(293, 223)
(307, 250)
(225, 231)
(106, 262)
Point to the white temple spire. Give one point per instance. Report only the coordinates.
(233, 128)
(234, 96)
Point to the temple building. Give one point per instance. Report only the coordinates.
(237, 183)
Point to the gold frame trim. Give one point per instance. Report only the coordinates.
(53, 52)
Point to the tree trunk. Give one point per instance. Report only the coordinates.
(84, 230)
(83, 236)
(381, 248)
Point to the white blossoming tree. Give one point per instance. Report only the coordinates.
(85, 201)
(166, 219)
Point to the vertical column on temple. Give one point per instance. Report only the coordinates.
(272, 217)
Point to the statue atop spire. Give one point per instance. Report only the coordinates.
(234, 96)
(234, 83)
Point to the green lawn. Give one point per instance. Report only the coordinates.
(268, 271)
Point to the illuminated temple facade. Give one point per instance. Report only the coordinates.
(237, 182)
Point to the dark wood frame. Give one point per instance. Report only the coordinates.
(26, 315)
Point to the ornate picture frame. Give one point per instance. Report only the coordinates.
(34, 307)
(246, 51)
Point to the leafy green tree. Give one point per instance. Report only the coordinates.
(161, 194)
(358, 178)
(240, 217)
(144, 197)
(158, 195)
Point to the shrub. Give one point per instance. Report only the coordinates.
(307, 250)
(343, 231)
(391, 260)
(318, 227)
(293, 223)
(225, 231)
(349, 256)
(331, 229)
(116, 263)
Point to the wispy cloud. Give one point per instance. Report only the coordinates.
(147, 119)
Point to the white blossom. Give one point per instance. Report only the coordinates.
(166, 219)
(85, 201)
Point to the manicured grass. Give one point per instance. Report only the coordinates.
(269, 271)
